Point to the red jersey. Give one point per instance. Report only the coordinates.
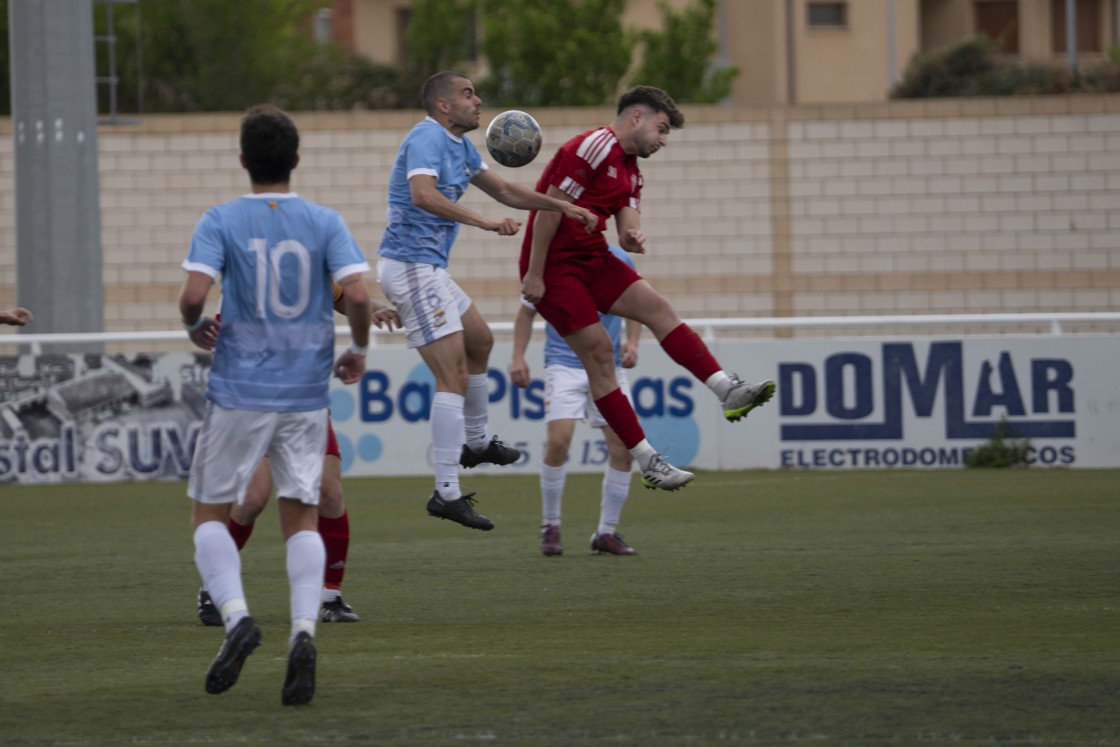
(593, 169)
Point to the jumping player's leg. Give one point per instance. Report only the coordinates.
(643, 304)
(478, 447)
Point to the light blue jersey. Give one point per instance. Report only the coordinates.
(413, 234)
(276, 255)
(557, 352)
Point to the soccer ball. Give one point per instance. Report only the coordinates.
(513, 138)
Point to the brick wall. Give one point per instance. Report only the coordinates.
(995, 205)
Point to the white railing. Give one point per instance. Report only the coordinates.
(707, 328)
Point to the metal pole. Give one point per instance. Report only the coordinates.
(791, 55)
(892, 68)
(54, 122)
(1071, 35)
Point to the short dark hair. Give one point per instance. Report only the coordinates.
(437, 87)
(269, 143)
(655, 99)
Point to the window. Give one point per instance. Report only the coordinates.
(1087, 18)
(827, 15)
(999, 21)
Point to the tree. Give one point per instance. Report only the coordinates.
(553, 52)
(678, 58)
(208, 55)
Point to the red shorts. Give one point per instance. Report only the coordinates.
(579, 286)
(332, 442)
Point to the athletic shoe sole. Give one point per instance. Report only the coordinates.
(237, 646)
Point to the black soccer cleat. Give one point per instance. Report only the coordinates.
(495, 452)
(208, 613)
(460, 511)
(337, 611)
(237, 646)
(299, 684)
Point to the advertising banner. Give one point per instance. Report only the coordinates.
(840, 404)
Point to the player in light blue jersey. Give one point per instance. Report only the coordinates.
(268, 391)
(434, 166)
(568, 399)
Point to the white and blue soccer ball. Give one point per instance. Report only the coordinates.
(513, 138)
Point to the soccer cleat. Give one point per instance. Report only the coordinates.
(337, 611)
(299, 684)
(661, 474)
(611, 544)
(208, 613)
(744, 397)
(460, 511)
(550, 540)
(495, 452)
(239, 643)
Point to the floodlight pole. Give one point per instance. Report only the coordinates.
(54, 123)
(1071, 35)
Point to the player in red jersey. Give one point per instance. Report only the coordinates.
(571, 277)
(334, 519)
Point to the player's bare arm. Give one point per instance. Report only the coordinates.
(630, 236)
(522, 331)
(351, 364)
(381, 315)
(426, 196)
(16, 317)
(628, 348)
(202, 330)
(544, 230)
(515, 196)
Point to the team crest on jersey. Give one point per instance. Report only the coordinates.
(612, 172)
(439, 318)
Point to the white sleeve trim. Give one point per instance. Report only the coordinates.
(423, 172)
(199, 267)
(348, 270)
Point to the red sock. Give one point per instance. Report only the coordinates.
(336, 538)
(620, 416)
(240, 532)
(686, 348)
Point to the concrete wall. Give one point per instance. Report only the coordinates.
(899, 208)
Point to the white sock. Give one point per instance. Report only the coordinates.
(552, 492)
(476, 408)
(328, 595)
(643, 453)
(447, 442)
(720, 383)
(616, 488)
(307, 560)
(219, 564)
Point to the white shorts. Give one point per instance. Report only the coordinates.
(232, 443)
(430, 303)
(567, 395)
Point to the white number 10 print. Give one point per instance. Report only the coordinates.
(268, 277)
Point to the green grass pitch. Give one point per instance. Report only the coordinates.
(840, 608)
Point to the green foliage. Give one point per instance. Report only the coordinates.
(333, 80)
(208, 55)
(999, 451)
(678, 59)
(553, 52)
(441, 36)
(974, 68)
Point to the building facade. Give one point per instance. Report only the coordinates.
(814, 51)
